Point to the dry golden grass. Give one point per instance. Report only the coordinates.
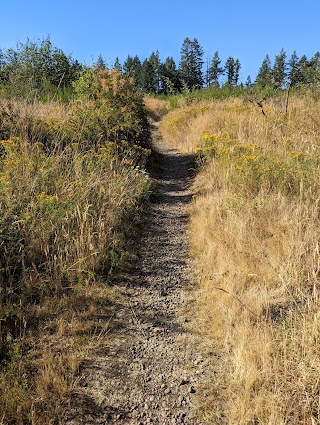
(255, 234)
(65, 213)
(156, 108)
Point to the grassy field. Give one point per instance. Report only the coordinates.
(71, 189)
(255, 232)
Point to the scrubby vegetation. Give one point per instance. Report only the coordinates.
(255, 241)
(74, 141)
(71, 186)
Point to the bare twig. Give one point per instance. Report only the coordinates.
(259, 103)
(235, 296)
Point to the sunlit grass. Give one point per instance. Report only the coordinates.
(255, 241)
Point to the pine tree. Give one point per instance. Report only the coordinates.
(100, 64)
(146, 76)
(128, 66)
(132, 68)
(191, 63)
(237, 67)
(117, 65)
(230, 70)
(314, 68)
(279, 72)
(248, 82)
(215, 70)
(155, 63)
(293, 69)
(264, 77)
(2, 67)
(169, 77)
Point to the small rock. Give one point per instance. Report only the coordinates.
(184, 381)
(191, 390)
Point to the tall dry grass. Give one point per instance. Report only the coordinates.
(66, 210)
(255, 241)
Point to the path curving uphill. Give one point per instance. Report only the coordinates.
(148, 368)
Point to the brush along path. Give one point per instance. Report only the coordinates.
(148, 369)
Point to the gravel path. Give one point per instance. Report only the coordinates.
(148, 369)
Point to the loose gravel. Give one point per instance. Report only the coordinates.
(148, 368)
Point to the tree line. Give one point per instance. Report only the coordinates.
(167, 77)
(40, 66)
(292, 71)
(154, 76)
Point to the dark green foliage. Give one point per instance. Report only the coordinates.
(100, 63)
(150, 74)
(294, 74)
(191, 63)
(237, 67)
(33, 68)
(117, 65)
(215, 71)
(264, 77)
(232, 69)
(147, 77)
(132, 69)
(311, 69)
(248, 82)
(279, 71)
(169, 77)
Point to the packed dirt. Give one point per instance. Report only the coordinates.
(148, 368)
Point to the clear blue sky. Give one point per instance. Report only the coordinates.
(246, 30)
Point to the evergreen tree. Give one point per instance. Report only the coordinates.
(264, 77)
(117, 65)
(132, 68)
(279, 72)
(169, 77)
(303, 69)
(191, 63)
(314, 69)
(128, 66)
(294, 73)
(147, 77)
(248, 82)
(150, 74)
(230, 70)
(100, 65)
(2, 64)
(215, 70)
(155, 64)
(237, 67)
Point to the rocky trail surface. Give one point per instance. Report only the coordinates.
(148, 368)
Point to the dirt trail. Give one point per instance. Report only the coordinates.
(148, 369)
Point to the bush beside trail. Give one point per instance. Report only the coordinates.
(71, 188)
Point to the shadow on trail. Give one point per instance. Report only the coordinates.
(141, 339)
